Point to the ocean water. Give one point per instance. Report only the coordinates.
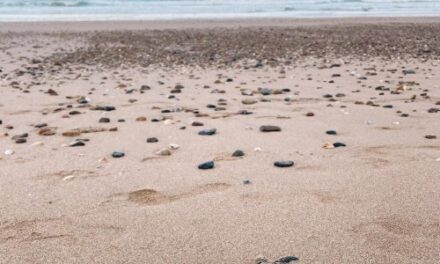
(47, 10)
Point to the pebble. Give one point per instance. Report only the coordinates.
(265, 91)
(283, 163)
(206, 165)
(104, 120)
(141, 119)
(208, 132)
(173, 146)
(270, 129)
(408, 71)
(331, 132)
(287, 259)
(107, 108)
(430, 136)
(249, 101)
(117, 154)
(152, 140)
(41, 125)
(9, 152)
(246, 182)
(20, 141)
(238, 153)
(77, 143)
(47, 131)
(196, 123)
(164, 152)
(339, 144)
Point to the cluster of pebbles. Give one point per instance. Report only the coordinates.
(261, 46)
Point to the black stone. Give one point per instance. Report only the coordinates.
(339, 144)
(208, 132)
(238, 153)
(331, 132)
(206, 165)
(270, 129)
(117, 154)
(152, 140)
(283, 163)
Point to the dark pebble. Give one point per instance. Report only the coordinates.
(20, 140)
(196, 123)
(238, 153)
(104, 120)
(330, 132)
(206, 165)
(152, 140)
(208, 132)
(117, 154)
(107, 108)
(270, 129)
(339, 144)
(283, 163)
(41, 125)
(77, 143)
(287, 259)
(246, 182)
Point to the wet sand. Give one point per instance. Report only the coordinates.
(357, 104)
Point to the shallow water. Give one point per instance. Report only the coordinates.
(37, 10)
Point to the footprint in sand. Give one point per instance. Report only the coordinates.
(153, 197)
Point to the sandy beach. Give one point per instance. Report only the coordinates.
(220, 141)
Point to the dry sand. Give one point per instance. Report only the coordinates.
(376, 200)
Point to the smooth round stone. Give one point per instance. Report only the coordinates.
(249, 101)
(339, 144)
(270, 129)
(117, 154)
(152, 140)
(265, 91)
(238, 153)
(331, 132)
(283, 163)
(104, 120)
(206, 165)
(82, 100)
(208, 132)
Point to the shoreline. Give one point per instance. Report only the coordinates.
(117, 25)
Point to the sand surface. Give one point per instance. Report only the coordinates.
(376, 200)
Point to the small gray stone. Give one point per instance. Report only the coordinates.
(238, 153)
(208, 132)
